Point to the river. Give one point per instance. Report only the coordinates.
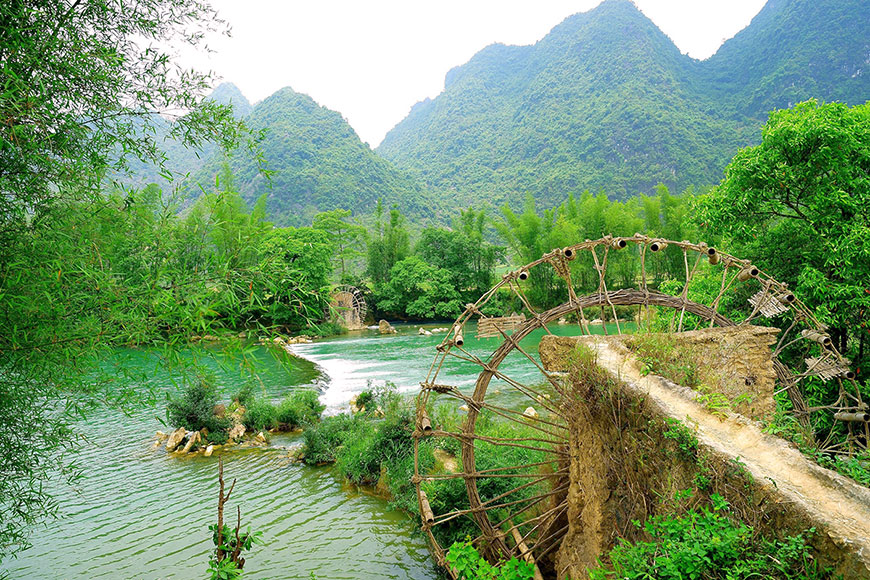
(138, 513)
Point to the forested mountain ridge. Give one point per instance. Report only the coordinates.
(182, 161)
(607, 102)
(229, 94)
(317, 163)
(794, 50)
(604, 102)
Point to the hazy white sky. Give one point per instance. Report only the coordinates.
(372, 60)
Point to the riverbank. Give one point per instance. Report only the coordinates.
(140, 514)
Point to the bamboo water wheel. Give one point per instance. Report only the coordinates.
(349, 307)
(519, 508)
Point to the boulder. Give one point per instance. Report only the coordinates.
(161, 436)
(175, 438)
(385, 327)
(237, 432)
(260, 438)
(209, 450)
(192, 440)
(530, 413)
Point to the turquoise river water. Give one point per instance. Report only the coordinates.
(139, 513)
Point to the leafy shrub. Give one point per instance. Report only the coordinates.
(708, 544)
(687, 443)
(194, 410)
(298, 409)
(323, 440)
(391, 440)
(245, 395)
(660, 356)
(470, 565)
(365, 399)
(259, 415)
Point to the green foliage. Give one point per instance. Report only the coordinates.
(463, 252)
(389, 244)
(856, 467)
(529, 235)
(347, 239)
(245, 395)
(709, 544)
(259, 415)
(317, 161)
(419, 290)
(80, 98)
(227, 568)
(659, 354)
(799, 205)
(606, 102)
(470, 565)
(194, 410)
(687, 442)
(323, 440)
(365, 399)
(361, 459)
(299, 409)
(448, 269)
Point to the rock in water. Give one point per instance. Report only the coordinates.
(161, 436)
(237, 432)
(260, 438)
(175, 438)
(530, 413)
(385, 327)
(209, 450)
(191, 441)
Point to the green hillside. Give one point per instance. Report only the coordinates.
(607, 102)
(317, 162)
(604, 102)
(792, 51)
(180, 160)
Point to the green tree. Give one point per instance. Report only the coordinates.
(419, 290)
(347, 237)
(292, 283)
(389, 244)
(463, 252)
(799, 204)
(79, 96)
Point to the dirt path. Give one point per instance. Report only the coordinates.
(833, 503)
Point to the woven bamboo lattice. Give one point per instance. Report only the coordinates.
(489, 326)
(526, 517)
